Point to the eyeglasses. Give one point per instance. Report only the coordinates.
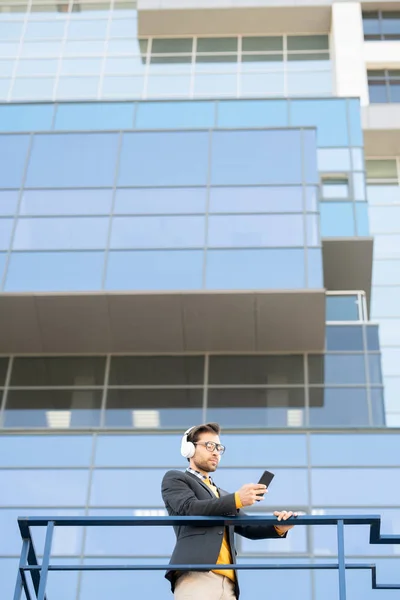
(211, 446)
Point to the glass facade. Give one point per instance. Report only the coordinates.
(140, 163)
(384, 209)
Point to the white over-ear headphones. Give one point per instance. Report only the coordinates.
(187, 448)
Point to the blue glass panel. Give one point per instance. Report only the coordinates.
(168, 86)
(347, 486)
(13, 149)
(54, 271)
(6, 227)
(258, 199)
(314, 268)
(256, 157)
(344, 337)
(94, 115)
(313, 235)
(385, 219)
(337, 368)
(313, 83)
(3, 256)
(175, 115)
(338, 407)
(354, 110)
(337, 219)
(378, 407)
(372, 332)
(362, 218)
(334, 159)
(66, 202)
(73, 160)
(367, 450)
(386, 272)
(310, 166)
(383, 194)
(255, 231)
(26, 117)
(155, 270)
(280, 585)
(66, 233)
(170, 158)
(50, 487)
(342, 308)
(386, 301)
(158, 232)
(255, 269)
(295, 542)
(328, 116)
(357, 155)
(375, 371)
(215, 85)
(45, 451)
(127, 487)
(67, 541)
(8, 570)
(141, 201)
(8, 203)
(252, 113)
(359, 189)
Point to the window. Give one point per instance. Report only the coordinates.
(335, 188)
(380, 25)
(384, 86)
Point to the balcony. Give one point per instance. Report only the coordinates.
(30, 569)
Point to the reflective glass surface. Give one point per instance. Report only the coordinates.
(256, 231)
(37, 487)
(337, 219)
(34, 117)
(337, 368)
(348, 338)
(158, 232)
(65, 202)
(256, 370)
(257, 199)
(45, 451)
(58, 371)
(138, 201)
(171, 115)
(61, 234)
(332, 487)
(8, 203)
(252, 113)
(94, 115)
(338, 407)
(342, 308)
(328, 116)
(13, 151)
(156, 370)
(54, 271)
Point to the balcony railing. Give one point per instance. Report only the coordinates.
(39, 572)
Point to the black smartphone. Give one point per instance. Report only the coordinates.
(266, 479)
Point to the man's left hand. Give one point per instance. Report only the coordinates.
(283, 515)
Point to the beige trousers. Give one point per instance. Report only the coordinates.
(200, 585)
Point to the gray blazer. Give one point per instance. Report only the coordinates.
(185, 494)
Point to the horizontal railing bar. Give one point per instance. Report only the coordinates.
(270, 567)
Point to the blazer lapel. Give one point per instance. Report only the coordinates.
(204, 485)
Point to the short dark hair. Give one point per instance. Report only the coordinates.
(194, 434)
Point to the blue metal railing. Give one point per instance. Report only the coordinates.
(39, 572)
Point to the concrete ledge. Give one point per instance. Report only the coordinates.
(172, 17)
(348, 264)
(163, 322)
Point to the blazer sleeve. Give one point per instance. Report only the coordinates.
(257, 532)
(181, 499)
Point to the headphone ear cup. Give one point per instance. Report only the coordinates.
(187, 448)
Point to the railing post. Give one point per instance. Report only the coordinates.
(341, 559)
(45, 562)
(21, 578)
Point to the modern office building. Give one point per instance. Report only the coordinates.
(199, 221)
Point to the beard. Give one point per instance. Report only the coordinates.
(204, 465)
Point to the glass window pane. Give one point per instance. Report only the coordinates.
(73, 160)
(228, 44)
(391, 361)
(328, 116)
(252, 113)
(37, 66)
(246, 408)
(362, 222)
(87, 29)
(333, 159)
(257, 199)
(123, 87)
(391, 23)
(215, 84)
(49, 487)
(386, 272)
(96, 115)
(77, 88)
(3, 256)
(44, 29)
(378, 92)
(387, 246)
(3, 370)
(33, 117)
(122, 28)
(170, 115)
(124, 65)
(148, 409)
(372, 332)
(313, 83)
(262, 44)
(157, 370)
(255, 269)
(365, 450)
(381, 169)
(84, 48)
(168, 86)
(155, 270)
(173, 45)
(256, 370)
(56, 409)
(297, 543)
(54, 271)
(338, 407)
(347, 486)
(256, 231)
(257, 84)
(173, 158)
(45, 451)
(342, 308)
(308, 42)
(337, 369)
(6, 227)
(160, 201)
(58, 371)
(374, 368)
(371, 23)
(345, 337)
(386, 301)
(64, 202)
(383, 194)
(256, 157)
(33, 88)
(385, 219)
(337, 219)
(392, 394)
(64, 233)
(158, 232)
(335, 188)
(13, 151)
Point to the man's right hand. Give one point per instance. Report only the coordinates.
(248, 493)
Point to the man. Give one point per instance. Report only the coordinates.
(194, 493)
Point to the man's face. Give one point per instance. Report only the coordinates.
(203, 459)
